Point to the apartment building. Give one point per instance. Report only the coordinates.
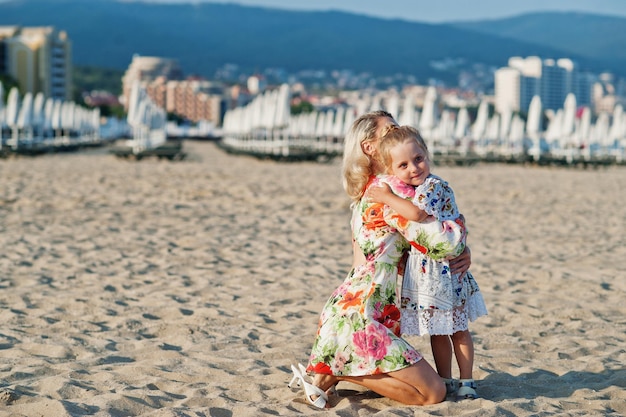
(193, 99)
(196, 100)
(551, 80)
(147, 69)
(38, 58)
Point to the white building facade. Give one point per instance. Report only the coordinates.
(551, 80)
(39, 59)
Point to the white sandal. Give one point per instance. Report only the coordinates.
(452, 385)
(330, 391)
(467, 390)
(310, 390)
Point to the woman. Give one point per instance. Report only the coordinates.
(358, 338)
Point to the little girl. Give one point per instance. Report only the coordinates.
(434, 301)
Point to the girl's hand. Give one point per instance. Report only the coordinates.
(379, 194)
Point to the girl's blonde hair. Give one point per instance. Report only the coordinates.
(394, 135)
(356, 164)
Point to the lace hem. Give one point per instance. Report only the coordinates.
(440, 322)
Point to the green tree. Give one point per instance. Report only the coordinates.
(8, 83)
(302, 106)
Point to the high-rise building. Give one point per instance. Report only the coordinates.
(552, 81)
(38, 58)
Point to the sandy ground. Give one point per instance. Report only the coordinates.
(158, 288)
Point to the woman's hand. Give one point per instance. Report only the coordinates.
(461, 263)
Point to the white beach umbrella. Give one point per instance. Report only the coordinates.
(269, 109)
(320, 124)
(506, 116)
(584, 127)
(377, 103)
(516, 134)
(492, 131)
(553, 131)
(338, 127)
(349, 118)
(47, 113)
(363, 105)
(56, 115)
(601, 130)
(429, 117)
(38, 108)
(533, 123)
(283, 106)
(2, 121)
(67, 115)
(462, 123)
(393, 104)
(480, 124)
(407, 114)
(329, 122)
(13, 104)
(616, 129)
(569, 117)
(24, 117)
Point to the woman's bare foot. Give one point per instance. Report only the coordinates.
(325, 382)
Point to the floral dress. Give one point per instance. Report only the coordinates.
(359, 327)
(435, 301)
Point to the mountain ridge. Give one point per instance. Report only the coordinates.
(205, 36)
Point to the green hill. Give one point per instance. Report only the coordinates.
(204, 37)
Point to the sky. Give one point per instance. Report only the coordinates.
(435, 11)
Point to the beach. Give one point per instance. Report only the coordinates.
(189, 288)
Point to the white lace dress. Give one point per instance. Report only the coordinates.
(433, 300)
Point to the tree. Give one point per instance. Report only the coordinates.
(302, 106)
(8, 83)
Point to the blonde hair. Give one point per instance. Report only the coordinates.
(356, 164)
(395, 135)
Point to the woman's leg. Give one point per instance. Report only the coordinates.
(464, 353)
(418, 384)
(442, 353)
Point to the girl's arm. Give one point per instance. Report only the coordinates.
(383, 194)
(436, 239)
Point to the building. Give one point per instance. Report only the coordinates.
(193, 99)
(162, 79)
(605, 95)
(147, 69)
(551, 80)
(39, 59)
(256, 84)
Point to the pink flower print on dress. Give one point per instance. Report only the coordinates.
(404, 189)
(371, 342)
(411, 356)
(339, 363)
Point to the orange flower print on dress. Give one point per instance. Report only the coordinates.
(373, 217)
(401, 221)
(350, 300)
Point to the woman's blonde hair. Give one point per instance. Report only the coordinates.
(394, 135)
(357, 165)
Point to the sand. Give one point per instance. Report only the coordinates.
(188, 288)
